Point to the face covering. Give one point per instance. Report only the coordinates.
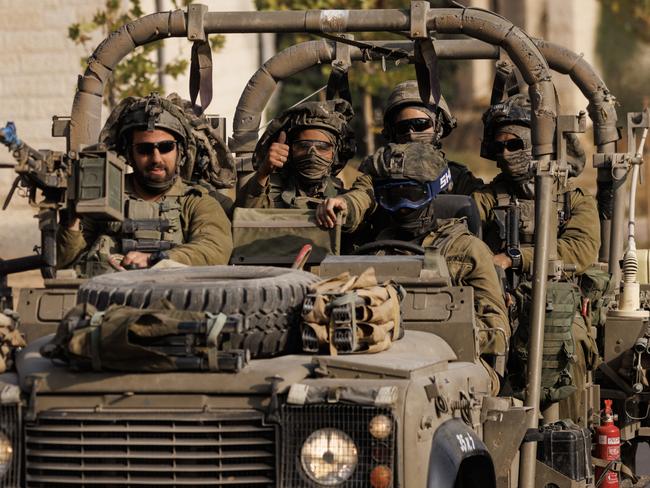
(422, 137)
(415, 223)
(311, 170)
(516, 165)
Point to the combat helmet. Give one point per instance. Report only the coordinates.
(516, 110)
(407, 175)
(513, 111)
(203, 154)
(407, 94)
(148, 113)
(332, 116)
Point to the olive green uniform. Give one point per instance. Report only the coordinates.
(578, 242)
(283, 193)
(202, 233)
(470, 264)
(578, 237)
(361, 199)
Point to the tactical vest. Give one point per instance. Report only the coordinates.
(287, 194)
(149, 226)
(526, 216)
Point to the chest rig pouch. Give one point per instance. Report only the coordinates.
(526, 210)
(151, 226)
(562, 304)
(148, 227)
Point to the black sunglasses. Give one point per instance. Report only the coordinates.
(147, 148)
(511, 145)
(412, 125)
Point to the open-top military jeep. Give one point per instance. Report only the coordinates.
(418, 414)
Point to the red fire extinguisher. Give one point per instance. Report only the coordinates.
(608, 446)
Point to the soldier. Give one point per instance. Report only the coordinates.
(507, 141)
(299, 155)
(406, 119)
(406, 179)
(165, 218)
(509, 201)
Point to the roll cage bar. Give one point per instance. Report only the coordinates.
(533, 58)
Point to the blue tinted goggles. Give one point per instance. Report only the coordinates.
(394, 195)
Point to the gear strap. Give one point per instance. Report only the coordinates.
(201, 75)
(426, 70)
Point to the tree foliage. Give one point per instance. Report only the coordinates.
(365, 78)
(633, 15)
(137, 73)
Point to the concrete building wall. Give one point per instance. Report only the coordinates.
(40, 66)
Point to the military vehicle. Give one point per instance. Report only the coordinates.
(418, 414)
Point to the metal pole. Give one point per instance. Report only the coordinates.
(544, 188)
(618, 222)
(160, 54)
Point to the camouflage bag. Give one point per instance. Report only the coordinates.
(562, 304)
(279, 234)
(348, 314)
(10, 340)
(158, 339)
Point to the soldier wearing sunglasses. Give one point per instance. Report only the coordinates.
(407, 119)
(507, 141)
(165, 218)
(298, 156)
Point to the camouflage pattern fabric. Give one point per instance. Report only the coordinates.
(123, 338)
(375, 310)
(10, 340)
(205, 155)
(331, 115)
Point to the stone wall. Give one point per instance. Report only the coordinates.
(40, 66)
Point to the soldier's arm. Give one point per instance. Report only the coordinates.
(71, 243)
(360, 200)
(254, 195)
(464, 181)
(579, 242)
(208, 233)
(470, 264)
(485, 202)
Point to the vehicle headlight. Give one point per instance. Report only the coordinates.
(6, 453)
(329, 457)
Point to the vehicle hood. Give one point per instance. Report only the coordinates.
(416, 350)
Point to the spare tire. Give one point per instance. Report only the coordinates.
(267, 300)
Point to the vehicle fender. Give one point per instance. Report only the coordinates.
(454, 445)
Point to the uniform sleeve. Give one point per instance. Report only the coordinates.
(254, 195)
(580, 240)
(208, 235)
(71, 243)
(360, 200)
(464, 181)
(485, 202)
(470, 264)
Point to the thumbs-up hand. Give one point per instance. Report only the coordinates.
(275, 158)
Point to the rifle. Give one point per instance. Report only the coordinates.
(87, 183)
(508, 217)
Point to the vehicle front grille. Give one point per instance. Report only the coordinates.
(299, 422)
(115, 449)
(10, 418)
